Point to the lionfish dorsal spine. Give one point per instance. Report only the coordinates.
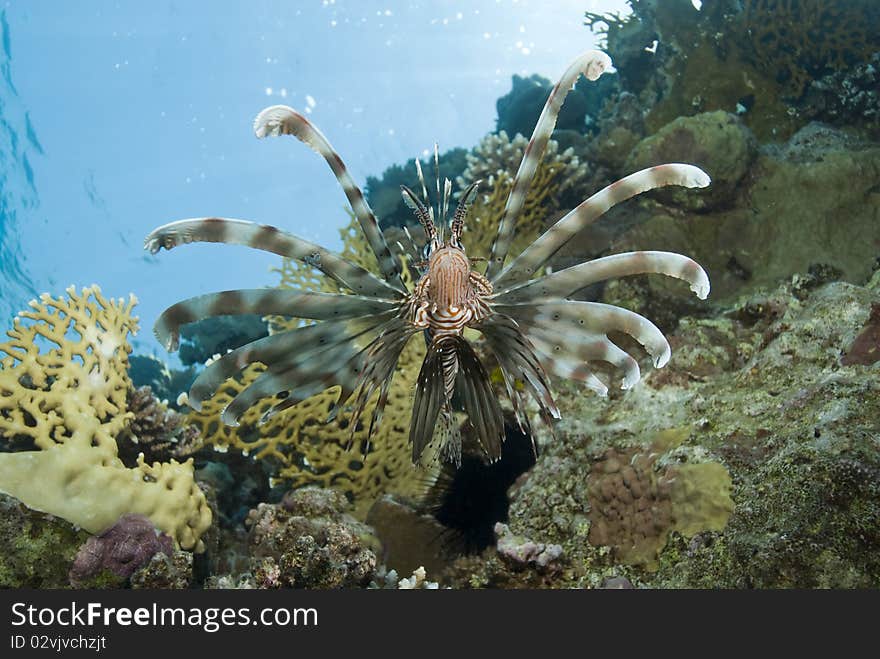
(464, 202)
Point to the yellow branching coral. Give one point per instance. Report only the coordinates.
(309, 449)
(63, 386)
(495, 161)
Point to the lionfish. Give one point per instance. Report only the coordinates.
(526, 317)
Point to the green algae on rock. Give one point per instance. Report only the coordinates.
(36, 549)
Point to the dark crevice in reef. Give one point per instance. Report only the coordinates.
(470, 500)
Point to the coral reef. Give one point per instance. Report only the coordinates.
(719, 141)
(520, 553)
(167, 571)
(848, 97)
(784, 217)
(756, 57)
(123, 548)
(310, 541)
(760, 391)
(155, 430)
(36, 550)
(634, 508)
(390, 580)
(64, 392)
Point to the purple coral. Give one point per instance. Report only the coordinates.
(127, 545)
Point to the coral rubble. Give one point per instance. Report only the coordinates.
(310, 541)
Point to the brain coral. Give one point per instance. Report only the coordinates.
(63, 390)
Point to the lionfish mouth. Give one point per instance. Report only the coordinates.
(528, 320)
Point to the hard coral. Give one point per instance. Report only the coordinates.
(495, 160)
(758, 390)
(156, 431)
(123, 548)
(635, 507)
(27, 537)
(754, 56)
(310, 541)
(64, 387)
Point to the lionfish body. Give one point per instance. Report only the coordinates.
(527, 320)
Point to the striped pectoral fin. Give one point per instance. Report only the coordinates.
(591, 64)
(263, 301)
(524, 266)
(567, 282)
(563, 352)
(284, 120)
(381, 358)
(518, 361)
(573, 318)
(270, 239)
(301, 379)
(290, 349)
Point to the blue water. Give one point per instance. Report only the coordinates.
(121, 116)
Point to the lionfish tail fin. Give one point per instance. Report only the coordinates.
(450, 438)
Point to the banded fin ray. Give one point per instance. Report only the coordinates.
(270, 239)
(571, 317)
(381, 358)
(263, 301)
(567, 282)
(286, 349)
(592, 64)
(304, 374)
(516, 357)
(524, 266)
(283, 120)
(429, 398)
(569, 355)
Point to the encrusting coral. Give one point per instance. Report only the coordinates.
(123, 548)
(310, 541)
(64, 386)
(635, 505)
